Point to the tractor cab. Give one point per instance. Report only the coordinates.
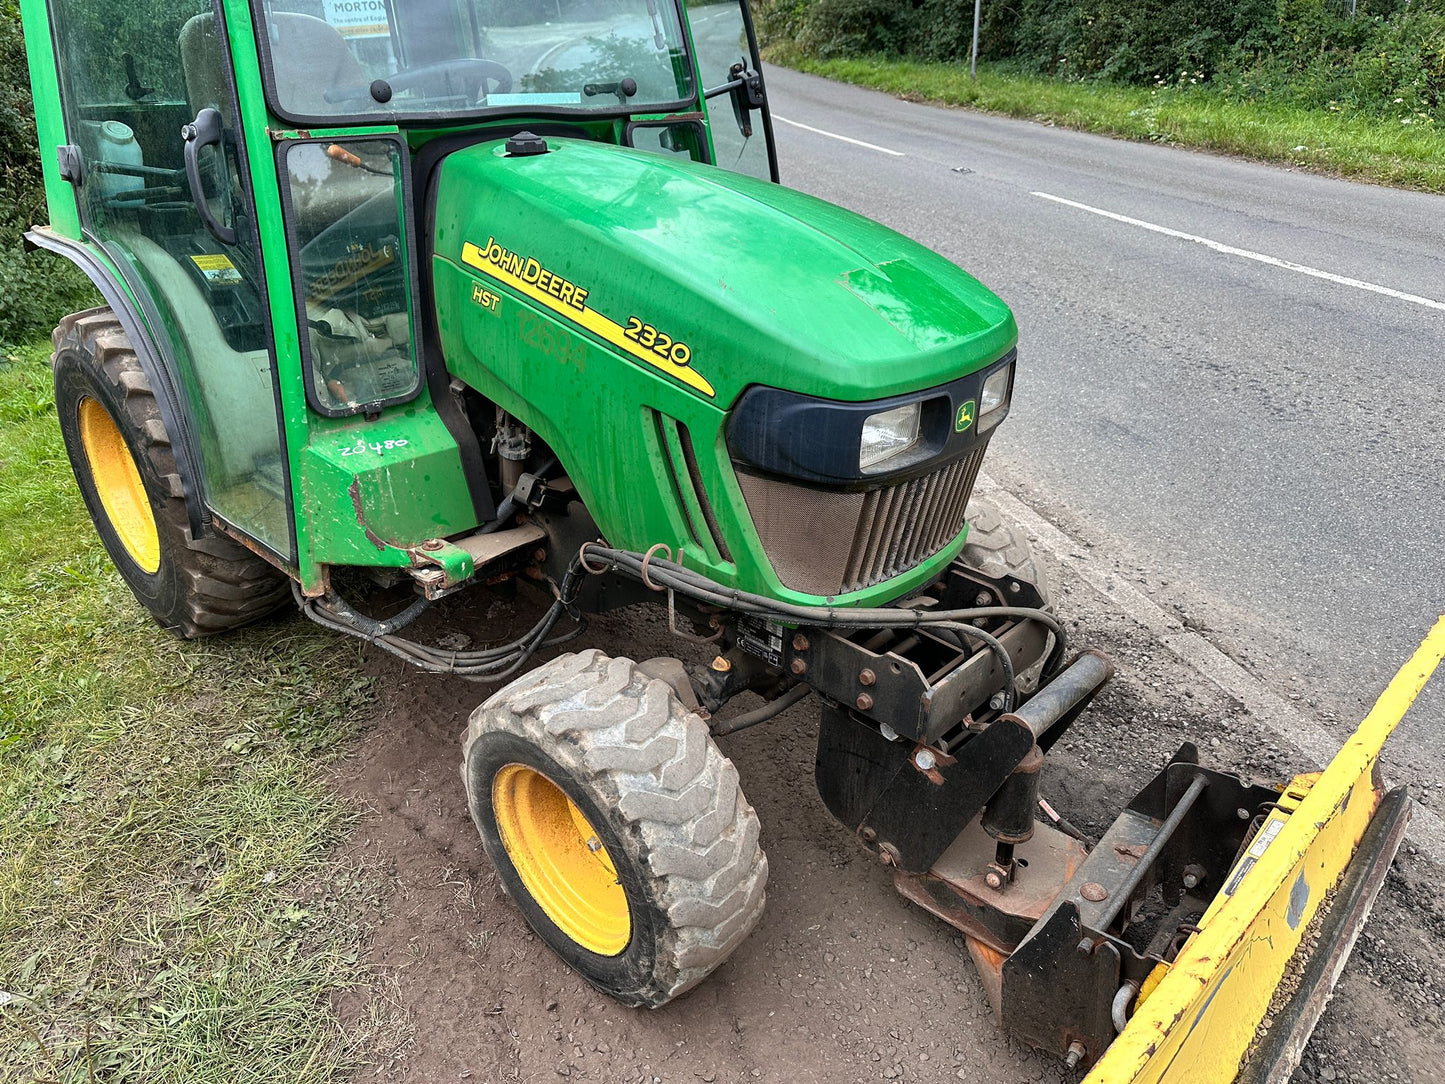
(404, 297)
(248, 185)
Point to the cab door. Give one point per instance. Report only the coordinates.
(162, 185)
(726, 49)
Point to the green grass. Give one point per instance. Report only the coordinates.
(169, 911)
(1380, 150)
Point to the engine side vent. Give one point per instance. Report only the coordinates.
(694, 474)
(687, 484)
(666, 427)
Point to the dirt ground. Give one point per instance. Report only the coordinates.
(843, 980)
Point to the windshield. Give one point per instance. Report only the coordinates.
(395, 58)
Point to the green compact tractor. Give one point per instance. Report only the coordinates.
(452, 292)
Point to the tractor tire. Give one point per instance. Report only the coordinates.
(123, 463)
(996, 548)
(616, 824)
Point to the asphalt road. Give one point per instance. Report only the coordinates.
(1257, 445)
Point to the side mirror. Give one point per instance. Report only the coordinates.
(205, 131)
(747, 95)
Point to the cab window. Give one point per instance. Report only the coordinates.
(369, 59)
(351, 260)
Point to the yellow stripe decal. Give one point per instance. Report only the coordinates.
(589, 319)
(1198, 1025)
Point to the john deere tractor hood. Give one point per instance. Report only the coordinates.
(715, 279)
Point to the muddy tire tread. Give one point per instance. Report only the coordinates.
(225, 584)
(997, 548)
(628, 733)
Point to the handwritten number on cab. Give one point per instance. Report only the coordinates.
(361, 447)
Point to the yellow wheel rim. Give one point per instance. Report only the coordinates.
(561, 860)
(117, 481)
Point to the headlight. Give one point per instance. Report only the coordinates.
(888, 433)
(995, 391)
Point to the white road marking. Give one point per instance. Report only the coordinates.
(843, 138)
(1230, 250)
(1427, 829)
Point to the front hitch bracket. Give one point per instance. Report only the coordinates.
(876, 787)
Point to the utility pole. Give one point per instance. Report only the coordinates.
(973, 62)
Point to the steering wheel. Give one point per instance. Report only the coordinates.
(381, 90)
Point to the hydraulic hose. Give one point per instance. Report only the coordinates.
(663, 574)
(508, 503)
(770, 710)
(695, 585)
(486, 664)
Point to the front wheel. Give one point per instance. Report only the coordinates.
(616, 824)
(997, 549)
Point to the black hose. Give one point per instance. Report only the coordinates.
(665, 574)
(374, 627)
(496, 663)
(508, 504)
(504, 513)
(668, 573)
(486, 664)
(772, 709)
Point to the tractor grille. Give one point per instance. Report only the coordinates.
(827, 543)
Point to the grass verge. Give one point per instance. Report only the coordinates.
(168, 911)
(1382, 151)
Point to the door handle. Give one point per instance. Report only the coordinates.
(205, 131)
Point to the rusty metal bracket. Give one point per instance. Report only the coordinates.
(441, 566)
(690, 637)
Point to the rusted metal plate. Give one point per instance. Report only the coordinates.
(485, 548)
(955, 890)
(989, 963)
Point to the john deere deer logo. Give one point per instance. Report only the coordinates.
(965, 416)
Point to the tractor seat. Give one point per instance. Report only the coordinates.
(309, 57)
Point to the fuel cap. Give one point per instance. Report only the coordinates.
(526, 144)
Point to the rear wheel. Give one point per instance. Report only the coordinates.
(126, 470)
(616, 824)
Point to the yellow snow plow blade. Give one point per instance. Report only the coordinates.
(1332, 838)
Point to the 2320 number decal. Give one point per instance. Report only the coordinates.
(660, 343)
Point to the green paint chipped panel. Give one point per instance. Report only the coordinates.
(371, 489)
